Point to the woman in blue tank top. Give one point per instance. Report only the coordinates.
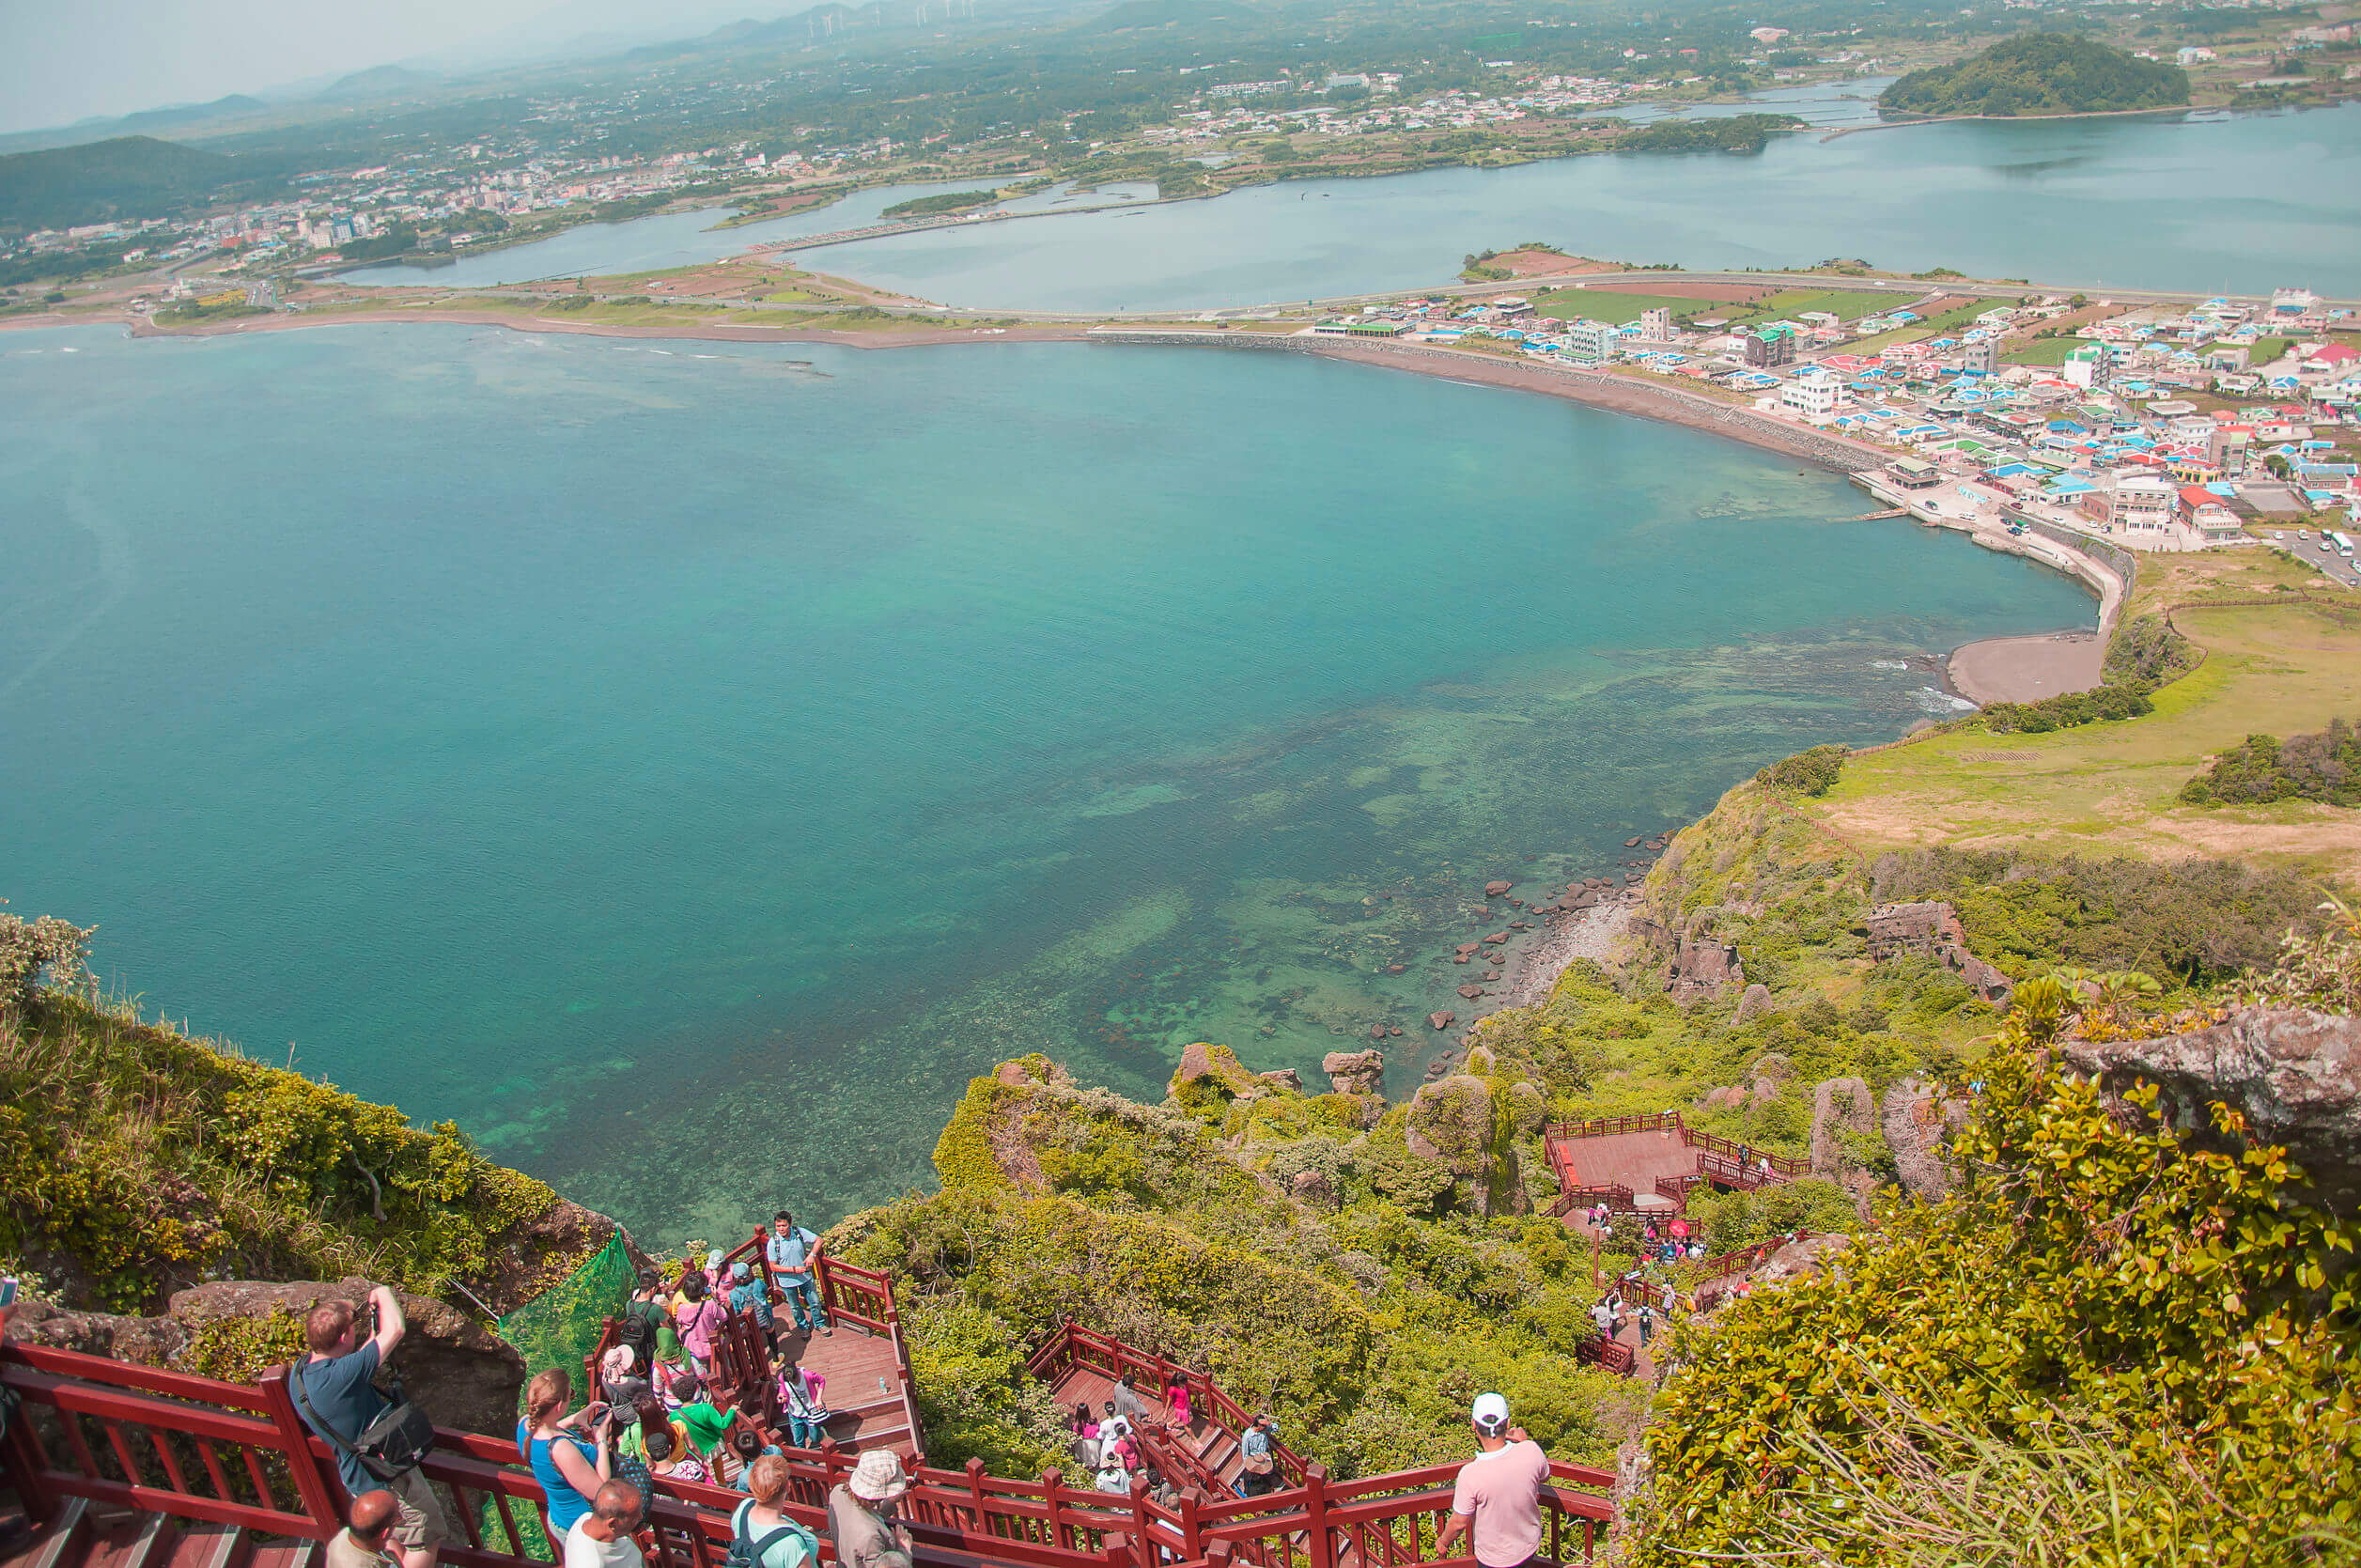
(569, 1467)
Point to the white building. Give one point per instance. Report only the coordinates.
(1592, 339)
(1655, 325)
(1814, 394)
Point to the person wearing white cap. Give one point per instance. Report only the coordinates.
(1498, 1499)
(861, 1513)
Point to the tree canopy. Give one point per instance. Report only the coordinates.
(2040, 74)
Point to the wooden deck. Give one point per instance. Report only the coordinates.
(864, 1396)
(1632, 1159)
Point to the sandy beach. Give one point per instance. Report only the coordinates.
(2024, 668)
(719, 331)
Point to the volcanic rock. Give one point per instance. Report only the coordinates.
(1355, 1071)
(1494, 890)
(1754, 1004)
(1471, 992)
(1442, 1021)
(2294, 1075)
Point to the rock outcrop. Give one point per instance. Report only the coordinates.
(464, 1375)
(1312, 1188)
(1451, 1121)
(2294, 1075)
(1933, 929)
(1915, 1126)
(1286, 1078)
(1754, 1004)
(1701, 970)
(1839, 1106)
(1355, 1071)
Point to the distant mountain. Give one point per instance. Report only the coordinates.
(378, 81)
(2041, 73)
(124, 178)
(183, 115)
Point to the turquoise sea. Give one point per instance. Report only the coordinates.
(685, 765)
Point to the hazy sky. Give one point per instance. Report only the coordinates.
(61, 60)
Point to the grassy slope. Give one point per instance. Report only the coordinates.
(2106, 789)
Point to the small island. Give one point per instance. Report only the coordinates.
(1732, 133)
(2041, 73)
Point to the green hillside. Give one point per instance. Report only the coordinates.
(2044, 73)
(127, 178)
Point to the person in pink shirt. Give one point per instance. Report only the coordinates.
(1498, 1499)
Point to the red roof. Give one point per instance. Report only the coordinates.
(2335, 353)
(2194, 496)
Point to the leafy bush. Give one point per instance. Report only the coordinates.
(2324, 766)
(2067, 710)
(2200, 921)
(135, 1161)
(1812, 773)
(2146, 653)
(2098, 1285)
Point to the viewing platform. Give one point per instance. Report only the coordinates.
(1647, 1165)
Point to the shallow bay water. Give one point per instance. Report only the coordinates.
(685, 765)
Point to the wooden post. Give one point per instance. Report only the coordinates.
(1051, 1483)
(1315, 1514)
(320, 1499)
(1192, 1529)
(1139, 1521)
(20, 1464)
(975, 1494)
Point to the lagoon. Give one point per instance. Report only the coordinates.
(685, 765)
(2246, 203)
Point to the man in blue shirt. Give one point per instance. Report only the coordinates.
(792, 1250)
(338, 1392)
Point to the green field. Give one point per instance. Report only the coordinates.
(2041, 351)
(1600, 304)
(1845, 305)
(2275, 668)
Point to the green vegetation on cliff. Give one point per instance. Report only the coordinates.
(1731, 133)
(135, 1161)
(2115, 1345)
(2037, 74)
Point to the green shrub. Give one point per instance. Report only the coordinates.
(2324, 766)
(2067, 710)
(1812, 773)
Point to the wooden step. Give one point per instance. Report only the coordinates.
(205, 1545)
(151, 1548)
(68, 1536)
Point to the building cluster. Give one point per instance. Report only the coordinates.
(2112, 439)
(1230, 110)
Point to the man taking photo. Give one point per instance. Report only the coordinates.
(1498, 1500)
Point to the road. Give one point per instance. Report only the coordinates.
(2336, 568)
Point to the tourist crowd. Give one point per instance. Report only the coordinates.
(655, 1418)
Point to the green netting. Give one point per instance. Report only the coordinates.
(560, 1325)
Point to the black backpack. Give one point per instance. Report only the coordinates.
(638, 1331)
(393, 1445)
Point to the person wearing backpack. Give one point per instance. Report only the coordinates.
(761, 1535)
(792, 1252)
(334, 1391)
(644, 1315)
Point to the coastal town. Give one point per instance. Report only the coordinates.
(2156, 427)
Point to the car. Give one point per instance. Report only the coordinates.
(2326, 546)
(2277, 534)
(2303, 533)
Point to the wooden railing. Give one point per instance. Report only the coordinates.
(191, 1448)
(1072, 1346)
